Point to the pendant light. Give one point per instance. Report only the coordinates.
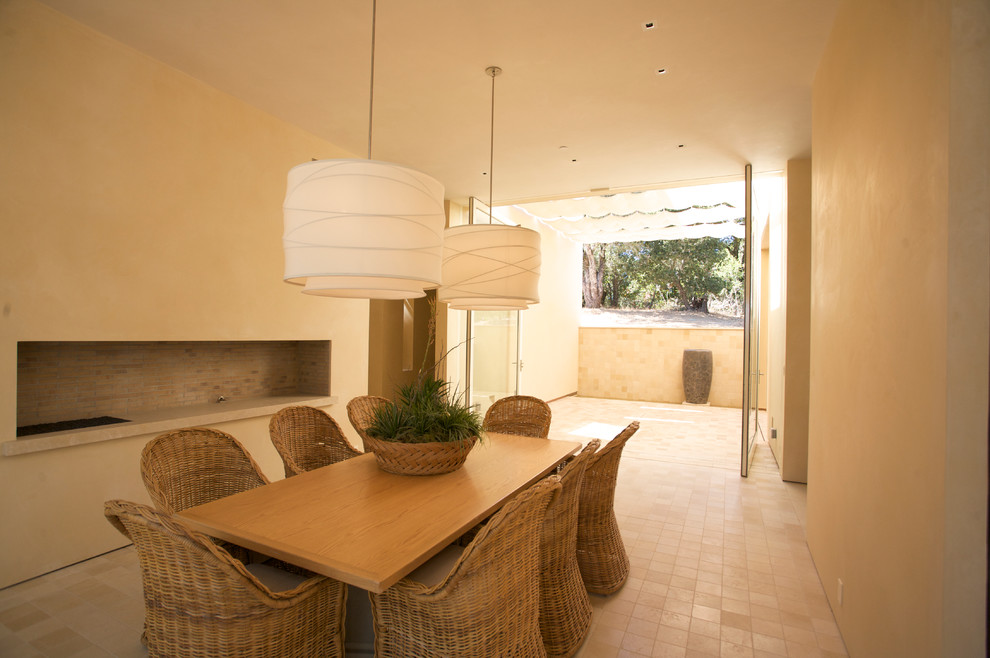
(490, 267)
(363, 228)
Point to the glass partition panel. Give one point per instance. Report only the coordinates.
(751, 333)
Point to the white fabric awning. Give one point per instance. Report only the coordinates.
(715, 210)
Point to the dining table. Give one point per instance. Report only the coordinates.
(369, 528)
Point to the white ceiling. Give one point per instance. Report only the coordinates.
(580, 74)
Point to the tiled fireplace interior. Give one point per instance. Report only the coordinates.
(60, 381)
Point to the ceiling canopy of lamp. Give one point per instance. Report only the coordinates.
(362, 228)
(490, 267)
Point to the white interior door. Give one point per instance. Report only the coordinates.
(494, 356)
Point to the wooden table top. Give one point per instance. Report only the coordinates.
(356, 523)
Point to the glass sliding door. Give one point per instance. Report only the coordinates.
(751, 335)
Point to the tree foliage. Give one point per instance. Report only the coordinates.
(655, 273)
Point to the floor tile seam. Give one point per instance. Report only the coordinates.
(705, 463)
(74, 569)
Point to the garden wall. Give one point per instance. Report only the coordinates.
(644, 363)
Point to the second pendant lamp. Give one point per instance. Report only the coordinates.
(362, 228)
(490, 267)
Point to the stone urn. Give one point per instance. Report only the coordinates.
(696, 371)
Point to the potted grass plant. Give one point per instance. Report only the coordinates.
(429, 428)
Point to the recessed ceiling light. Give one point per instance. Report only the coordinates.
(649, 25)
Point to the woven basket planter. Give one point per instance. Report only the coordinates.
(419, 458)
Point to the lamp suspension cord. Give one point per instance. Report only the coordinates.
(492, 71)
(371, 87)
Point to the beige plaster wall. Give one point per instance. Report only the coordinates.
(764, 328)
(642, 363)
(793, 422)
(968, 329)
(386, 370)
(899, 313)
(137, 204)
(776, 303)
(550, 328)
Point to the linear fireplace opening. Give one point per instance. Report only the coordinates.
(71, 384)
(63, 425)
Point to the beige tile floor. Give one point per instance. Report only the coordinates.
(720, 566)
(719, 563)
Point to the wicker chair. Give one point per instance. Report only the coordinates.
(200, 601)
(565, 611)
(193, 466)
(361, 410)
(519, 414)
(601, 554)
(486, 604)
(307, 438)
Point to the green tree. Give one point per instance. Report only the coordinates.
(689, 268)
(593, 278)
(647, 274)
(621, 269)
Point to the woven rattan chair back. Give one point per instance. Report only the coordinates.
(307, 438)
(361, 411)
(565, 611)
(601, 555)
(487, 604)
(199, 601)
(193, 466)
(519, 414)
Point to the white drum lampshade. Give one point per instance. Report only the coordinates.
(490, 267)
(362, 228)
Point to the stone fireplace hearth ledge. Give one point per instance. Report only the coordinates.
(163, 420)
